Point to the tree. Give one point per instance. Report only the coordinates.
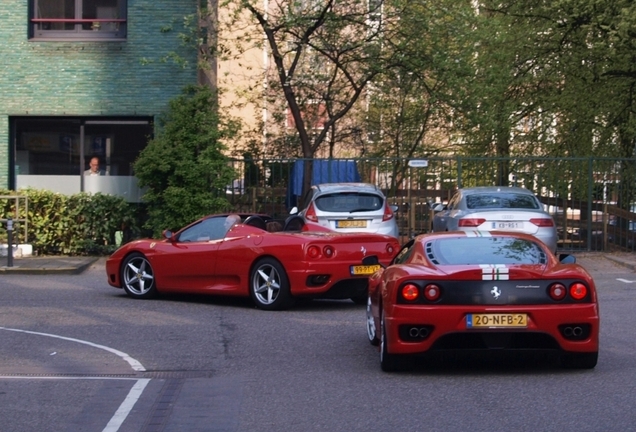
(323, 53)
(183, 167)
(579, 62)
(408, 113)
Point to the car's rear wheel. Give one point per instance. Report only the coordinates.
(388, 362)
(579, 360)
(138, 277)
(360, 299)
(371, 330)
(269, 285)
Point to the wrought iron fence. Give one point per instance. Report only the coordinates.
(592, 200)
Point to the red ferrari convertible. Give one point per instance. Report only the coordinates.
(242, 255)
(481, 291)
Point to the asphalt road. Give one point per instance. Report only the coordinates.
(78, 355)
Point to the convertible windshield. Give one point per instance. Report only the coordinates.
(485, 250)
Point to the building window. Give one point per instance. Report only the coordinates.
(78, 19)
(78, 154)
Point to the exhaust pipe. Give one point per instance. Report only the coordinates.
(575, 331)
(421, 333)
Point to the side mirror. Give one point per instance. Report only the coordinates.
(167, 234)
(293, 211)
(438, 207)
(394, 208)
(567, 259)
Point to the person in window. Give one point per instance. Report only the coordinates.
(94, 168)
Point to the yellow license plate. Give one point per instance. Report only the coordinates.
(496, 320)
(351, 224)
(364, 269)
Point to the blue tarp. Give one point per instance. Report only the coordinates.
(324, 171)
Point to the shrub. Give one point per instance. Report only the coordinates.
(183, 167)
(81, 224)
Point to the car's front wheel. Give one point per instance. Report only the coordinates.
(371, 330)
(138, 277)
(269, 285)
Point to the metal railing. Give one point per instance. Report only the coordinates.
(591, 199)
(18, 212)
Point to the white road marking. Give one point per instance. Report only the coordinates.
(126, 406)
(131, 361)
(624, 280)
(133, 395)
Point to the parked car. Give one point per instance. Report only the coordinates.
(350, 207)
(240, 255)
(489, 208)
(482, 291)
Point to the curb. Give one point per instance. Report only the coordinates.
(68, 270)
(621, 262)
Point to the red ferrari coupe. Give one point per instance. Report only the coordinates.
(243, 255)
(481, 291)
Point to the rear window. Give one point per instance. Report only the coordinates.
(349, 202)
(502, 200)
(485, 250)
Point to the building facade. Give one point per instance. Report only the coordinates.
(85, 80)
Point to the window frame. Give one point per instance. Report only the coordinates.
(78, 33)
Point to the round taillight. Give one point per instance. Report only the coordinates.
(557, 291)
(313, 252)
(410, 292)
(328, 251)
(432, 292)
(578, 291)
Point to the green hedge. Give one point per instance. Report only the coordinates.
(81, 224)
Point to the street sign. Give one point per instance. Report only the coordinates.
(418, 163)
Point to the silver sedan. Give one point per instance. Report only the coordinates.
(501, 208)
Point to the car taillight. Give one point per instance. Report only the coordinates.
(578, 291)
(432, 292)
(310, 214)
(468, 222)
(542, 222)
(388, 213)
(410, 292)
(313, 251)
(557, 291)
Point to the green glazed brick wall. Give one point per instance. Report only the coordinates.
(92, 78)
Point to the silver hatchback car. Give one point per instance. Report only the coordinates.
(350, 207)
(501, 208)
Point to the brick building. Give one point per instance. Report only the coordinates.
(85, 79)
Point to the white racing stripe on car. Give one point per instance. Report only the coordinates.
(478, 234)
(494, 272)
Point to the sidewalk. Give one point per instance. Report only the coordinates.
(625, 259)
(47, 265)
(76, 265)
